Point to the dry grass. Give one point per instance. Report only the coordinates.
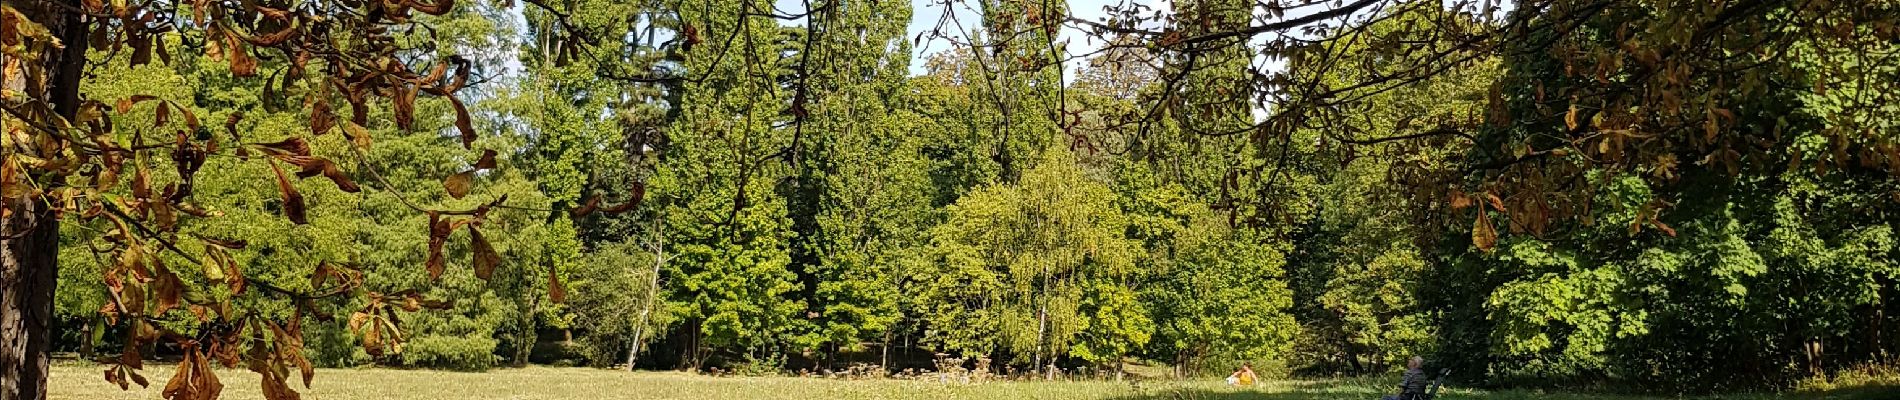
(78, 381)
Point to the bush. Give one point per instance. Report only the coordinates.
(451, 352)
(1862, 375)
(772, 364)
(557, 352)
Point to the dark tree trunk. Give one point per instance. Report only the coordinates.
(86, 345)
(28, 273)
(884, 360)
(29, 233)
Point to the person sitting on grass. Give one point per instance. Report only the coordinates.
(1242, 377)
(1412, 384)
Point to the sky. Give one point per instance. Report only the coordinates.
(927, 14)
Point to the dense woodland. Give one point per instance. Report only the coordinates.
(1664, 195)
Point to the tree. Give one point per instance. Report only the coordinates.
(854, 171)
(1218, 296)
(68, 157)
(1036, 269)
(616, 302)
(1633, 79)
(715, 185)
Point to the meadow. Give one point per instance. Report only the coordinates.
(82, 381)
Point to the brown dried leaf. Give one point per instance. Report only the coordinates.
(358, 135)
(1570, 118)
(233, 276)
(194, 379)
(215, 258)
(439, 230)
(435, 75)
(167, 288)
(230, 127)
(191, 119)
(458, 185)
(303, 366)
(141, 48)
(242, 64)
(487, 161)
(234, 244)
(373, 341)
(10, 182)
(162, 115)
(132, 259)
(321, 274)
(131, 358)
(292, 146)
(357, 320)
(101, 38)
(125, 104)
(463, 123)
(214, 47)
(163, 215)
(178, 387)
(405, 107)
(314, 166)
(556, 293)
(1496, 203)
(141, 180)
(410, 304)
(485, 257)
(1459, 200)
(274, 387)
(321, 118)
(164, 55)
(1483, 234)
(437, 304)
(1662, 227)
(293, 201)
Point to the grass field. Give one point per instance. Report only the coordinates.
(78, 381)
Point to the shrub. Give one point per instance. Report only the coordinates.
(451, 352)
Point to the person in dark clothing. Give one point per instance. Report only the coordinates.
(1412, 384)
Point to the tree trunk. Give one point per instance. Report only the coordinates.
(633, 351)
(85, 338)
(691, 357)
(884, 360)
(1180, 364)
(653, 292)
(1042, 320)
(28, 272)
(29, 232)
(525, 334)
(1816, 358)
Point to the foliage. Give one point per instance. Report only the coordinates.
(1037, 269)
(1683, 197)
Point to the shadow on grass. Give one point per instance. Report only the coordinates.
(1323, 391)
(1869, 392)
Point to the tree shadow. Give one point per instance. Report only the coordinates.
(1333, 391)
(1278, 391)
(1867, 392)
